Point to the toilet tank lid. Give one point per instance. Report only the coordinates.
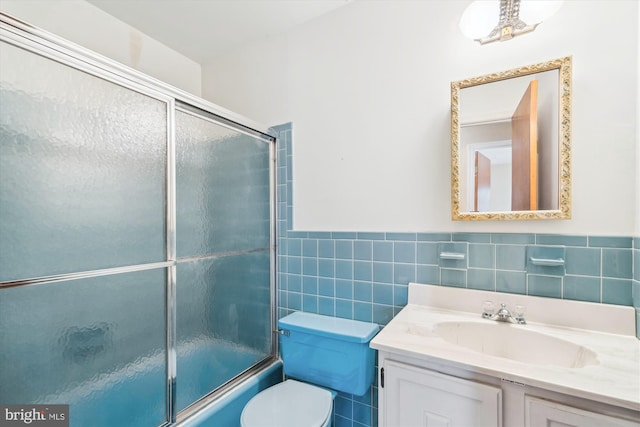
(334, 327)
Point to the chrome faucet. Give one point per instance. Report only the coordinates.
(503, 314)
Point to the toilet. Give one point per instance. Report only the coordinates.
(321, 356)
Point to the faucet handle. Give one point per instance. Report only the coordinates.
(518, 313)
(488, 308)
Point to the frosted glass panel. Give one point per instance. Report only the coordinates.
(222, 188)
(82, 170)
(223, 320)
(97, 344)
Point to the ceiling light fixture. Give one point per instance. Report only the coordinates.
(515, 17)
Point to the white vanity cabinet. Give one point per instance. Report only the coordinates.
(418, 393)
(415, 396)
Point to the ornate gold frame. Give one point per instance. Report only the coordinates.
(564, 159)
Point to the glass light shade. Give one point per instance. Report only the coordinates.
(535, 11)
(480, 18)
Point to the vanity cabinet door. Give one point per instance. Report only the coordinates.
(543, 413)
(418, 397)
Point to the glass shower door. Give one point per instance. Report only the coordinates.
(83, 262)
(223, 247)
(112, 203)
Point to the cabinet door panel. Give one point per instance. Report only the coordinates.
(419, 397)
(539, 412)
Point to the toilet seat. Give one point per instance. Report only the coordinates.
(288, 404)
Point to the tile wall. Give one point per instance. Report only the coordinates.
(365, 275)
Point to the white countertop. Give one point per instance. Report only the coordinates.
(614, 379)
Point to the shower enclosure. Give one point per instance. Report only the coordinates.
(136, 238)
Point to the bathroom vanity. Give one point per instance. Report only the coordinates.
(572, 363)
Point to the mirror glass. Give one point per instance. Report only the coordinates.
(510, 142)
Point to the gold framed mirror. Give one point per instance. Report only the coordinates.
(511, 144)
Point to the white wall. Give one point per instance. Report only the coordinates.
(90, 27)
(501, 187)
(367, 88)
(637, 233)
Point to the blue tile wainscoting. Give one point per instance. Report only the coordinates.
(365, 275)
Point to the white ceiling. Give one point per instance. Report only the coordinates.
(203, 29)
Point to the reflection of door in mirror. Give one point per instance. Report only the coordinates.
(492, 141)
(524, 142)
(486, 126)
(513, 144)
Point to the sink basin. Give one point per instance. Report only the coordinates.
(515, 342)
